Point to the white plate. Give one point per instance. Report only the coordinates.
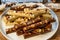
(2, 7)
(45, 36)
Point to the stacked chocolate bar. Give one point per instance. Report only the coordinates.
(32, 27)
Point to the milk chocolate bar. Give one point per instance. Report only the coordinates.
(38, 31)
(19, 32)
(41, 24)
(10, 30)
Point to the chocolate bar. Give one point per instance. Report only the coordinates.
(10, 30)
(38, 31)
(41, 24)
(19, 32)
(18, 8)
(10, 4)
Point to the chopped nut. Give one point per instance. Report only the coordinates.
(32, 26)
(29, 33)
(24, 28)
(38, 30)
(48, 29)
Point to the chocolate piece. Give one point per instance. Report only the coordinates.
(18, 8)
(21, 8)
(41, 24)
(10, 30)
(10, 4)
(37, 31)
(19, 32)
